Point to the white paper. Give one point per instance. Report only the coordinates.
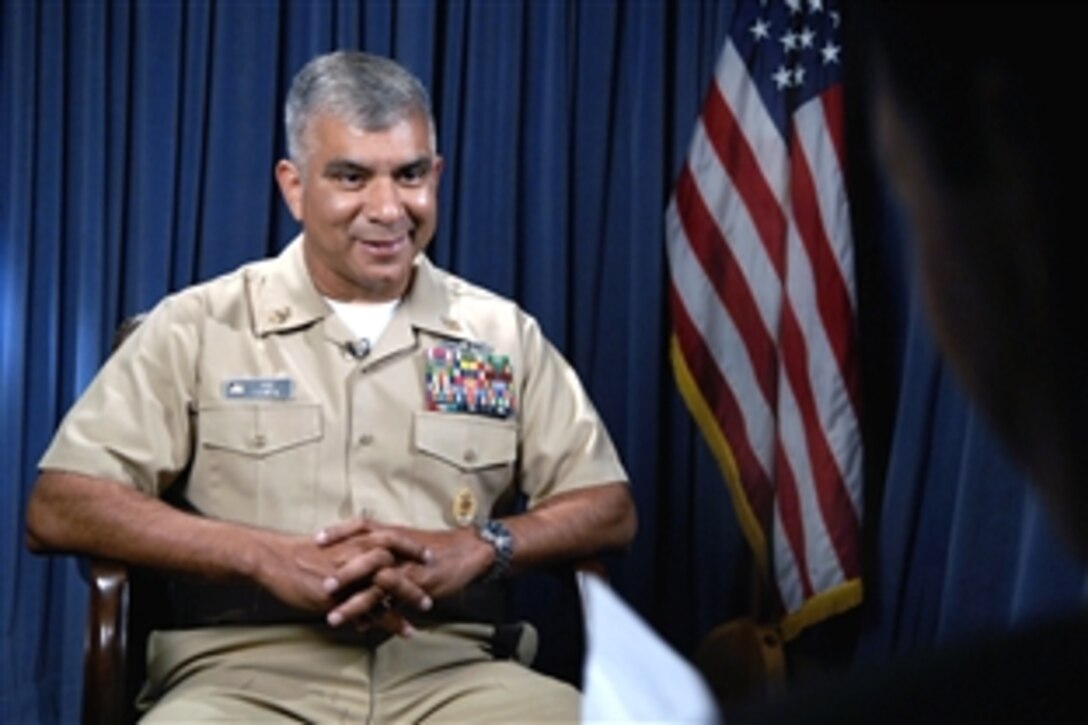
(631, 674)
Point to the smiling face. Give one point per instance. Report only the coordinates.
(367, 202)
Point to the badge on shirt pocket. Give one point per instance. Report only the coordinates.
(469, 377)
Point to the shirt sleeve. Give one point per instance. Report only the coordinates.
(565, 445)
(133, 422)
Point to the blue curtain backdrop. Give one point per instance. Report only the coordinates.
(138, 142)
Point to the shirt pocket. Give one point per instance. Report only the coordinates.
(456, 453)
(258, 463)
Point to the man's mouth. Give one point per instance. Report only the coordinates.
(386, 247)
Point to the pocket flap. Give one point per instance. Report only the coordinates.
(466, 441)
(260, 430)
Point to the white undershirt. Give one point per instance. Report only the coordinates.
(366, 320)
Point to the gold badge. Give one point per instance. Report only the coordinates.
(464, 507)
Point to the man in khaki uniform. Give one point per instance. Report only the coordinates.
(355, 424)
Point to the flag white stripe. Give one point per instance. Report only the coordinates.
(821, 561)
(819, 150)
(786, 576)
(735, 224)
(721, 338)
(836, 413)
(833, 407)
(742, 97)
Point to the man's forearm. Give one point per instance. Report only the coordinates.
(73, 513)
(575, 525)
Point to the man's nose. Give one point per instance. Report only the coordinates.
(381, 201)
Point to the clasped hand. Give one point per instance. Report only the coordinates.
(370, 574)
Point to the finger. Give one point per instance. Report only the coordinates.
(341, 530)
(393, 621)
(379, 611)
(403, 588)
(358, 569)
(402, 545)
(358, 606)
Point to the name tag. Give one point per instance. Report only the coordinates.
(259, 389)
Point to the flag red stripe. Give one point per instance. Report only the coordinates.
(791, 514)
(830, 487)
(833, 299)
(730, 284)
(739, 161)
(720, 399)
(831, 100)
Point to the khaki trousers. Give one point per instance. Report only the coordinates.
(442, 673)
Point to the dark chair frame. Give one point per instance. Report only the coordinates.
(115, 627)
(107, 697)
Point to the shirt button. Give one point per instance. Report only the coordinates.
(470, 456)
(366, 439)
(258, 441)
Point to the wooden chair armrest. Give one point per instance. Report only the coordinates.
(592, 566)
(105, 664)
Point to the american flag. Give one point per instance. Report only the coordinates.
(763, 303)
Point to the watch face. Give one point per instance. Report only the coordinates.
(496, 533)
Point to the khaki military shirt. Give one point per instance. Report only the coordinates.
(250, 378)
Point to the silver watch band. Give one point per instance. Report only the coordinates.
(498, 535)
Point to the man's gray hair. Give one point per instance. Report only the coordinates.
(368, 91)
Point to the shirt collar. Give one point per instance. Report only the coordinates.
(283, 296)
(429, 303)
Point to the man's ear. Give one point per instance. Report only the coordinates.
(289, 177)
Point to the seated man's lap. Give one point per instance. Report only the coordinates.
(445, 673)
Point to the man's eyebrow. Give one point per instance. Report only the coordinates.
(418, 166)
(342, 166)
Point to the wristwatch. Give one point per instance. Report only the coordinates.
(496, 534)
